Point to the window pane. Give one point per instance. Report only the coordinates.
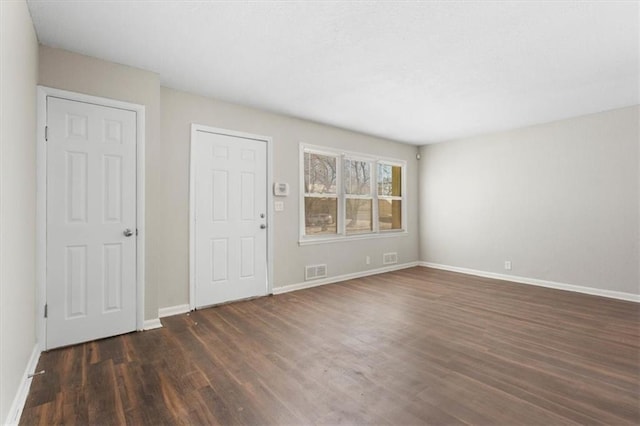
(389, 180)
(357, 177)
(359, 214)
(320, 215)
(319, 173)
(390, 212)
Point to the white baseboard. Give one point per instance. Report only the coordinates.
(152, 324)
(345, 277)
(173, 310)
(534, 281)
(15, 412)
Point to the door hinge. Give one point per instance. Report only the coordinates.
(46, 310)
(46, 133)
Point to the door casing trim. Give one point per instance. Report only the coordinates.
(41, 201)
(195, 128)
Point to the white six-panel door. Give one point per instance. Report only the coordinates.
(230, 180)
(91, 203)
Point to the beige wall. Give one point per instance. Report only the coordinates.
(560, 200)
(180, 109)
(18, 78)
(78, 73)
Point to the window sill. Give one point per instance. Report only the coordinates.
(334, 239)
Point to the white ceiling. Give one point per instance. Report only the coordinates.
(417, 72)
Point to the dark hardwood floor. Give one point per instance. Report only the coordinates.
(417, 346)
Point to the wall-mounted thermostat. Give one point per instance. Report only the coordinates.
(280, 189)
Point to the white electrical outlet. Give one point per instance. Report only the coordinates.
(507, 265)
(368, 260)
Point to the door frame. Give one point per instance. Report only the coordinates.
(41, 200)
(195, 128)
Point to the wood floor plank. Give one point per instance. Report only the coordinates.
(416, 346)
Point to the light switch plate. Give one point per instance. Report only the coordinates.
(278, 206)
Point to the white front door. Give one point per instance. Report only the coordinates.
(91, 222)
(230, 202)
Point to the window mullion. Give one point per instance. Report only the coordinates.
(374, 194)
(342, 214)
(319, 195)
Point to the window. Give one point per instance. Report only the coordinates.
(320, 194)
(349, 195)
(359, 199)
(389, 196)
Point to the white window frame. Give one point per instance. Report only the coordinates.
(402, 198)
(337, 195)
(341, 195)
(373, 166)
